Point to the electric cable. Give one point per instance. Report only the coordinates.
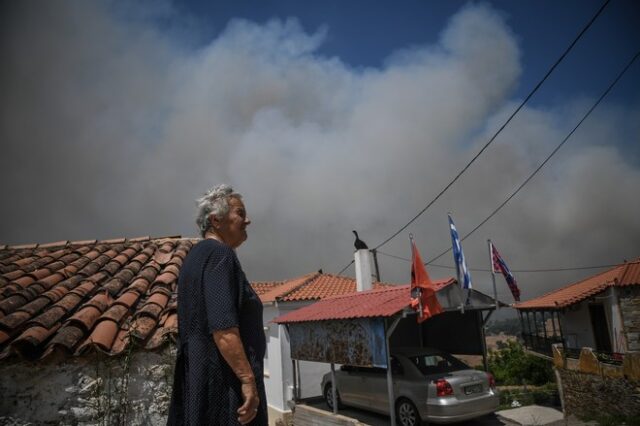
(486, 145)
(555, 150)
(575, 268)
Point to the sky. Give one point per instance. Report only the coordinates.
(327, 117)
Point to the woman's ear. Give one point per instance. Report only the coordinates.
(215, 223)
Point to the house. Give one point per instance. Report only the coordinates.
(282, 298)
(591, 331)
(88, 329)
(362, 329)
(600, 312)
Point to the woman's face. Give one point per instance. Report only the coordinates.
(233, 227)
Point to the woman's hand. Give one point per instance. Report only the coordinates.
(249, 409)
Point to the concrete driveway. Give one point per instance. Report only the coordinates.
(374, 419)
(523, 416)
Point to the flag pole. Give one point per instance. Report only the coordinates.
(493, 274)
(419, 288)
(462, 298)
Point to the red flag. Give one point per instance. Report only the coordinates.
(423, 295)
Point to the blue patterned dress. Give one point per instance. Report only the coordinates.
(214, 294)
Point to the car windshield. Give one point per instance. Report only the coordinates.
(437, 363)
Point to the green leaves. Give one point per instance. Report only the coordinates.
(511, 365)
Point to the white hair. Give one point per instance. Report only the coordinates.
(214, 202)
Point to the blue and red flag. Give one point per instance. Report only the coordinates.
(499, 265)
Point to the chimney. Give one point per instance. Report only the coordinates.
(363, 270)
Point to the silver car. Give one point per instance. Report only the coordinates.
(428, 385)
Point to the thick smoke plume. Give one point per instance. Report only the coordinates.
(112, 124)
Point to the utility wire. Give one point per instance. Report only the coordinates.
(535, 89)
(345, 268)
(556, 149)
(575, 268)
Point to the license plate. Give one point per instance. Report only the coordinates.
(468, 390)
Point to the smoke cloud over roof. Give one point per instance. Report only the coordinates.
(113, 122)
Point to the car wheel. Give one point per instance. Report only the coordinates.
(328, 396)
(407, 413)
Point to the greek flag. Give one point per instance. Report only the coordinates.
(458, 257)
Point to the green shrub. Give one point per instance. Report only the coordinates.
(511, 365)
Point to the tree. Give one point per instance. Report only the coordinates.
(511, 365)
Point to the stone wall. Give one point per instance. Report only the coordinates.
(133, 389)
(629, 298)
(592, 388)
(586, 395)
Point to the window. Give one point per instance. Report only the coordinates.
(437, 363)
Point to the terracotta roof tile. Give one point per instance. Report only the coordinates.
(101, 301)
(321, 286)
(69, 299)
(4, 337)
(49, 317)
(67, 337)
(83, 242)
(52, 280)
(140, 239)
(143, 326)
(25, 281)
(102, 337)
(128, 299)
(36, 305)
(13, 320)
(85, 317)
(14, 274)
(28, 343)
(619, 276)
(12, 303)
(116, 313)
(69, 302)
(54, 244)
(121, 342)
(38, 274)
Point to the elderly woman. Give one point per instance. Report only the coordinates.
(219, 369)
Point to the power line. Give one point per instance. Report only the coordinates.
(575, 268)
(345, 268)
(535, 89)
(555, 150)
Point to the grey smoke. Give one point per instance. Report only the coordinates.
(112, 126)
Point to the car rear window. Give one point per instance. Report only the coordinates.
(437, 363)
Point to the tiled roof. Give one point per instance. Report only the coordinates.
(379, 302)
(263, 287)
(73, 298)
(77, 297)
(620, 276)
(284, 287)
(320, 286)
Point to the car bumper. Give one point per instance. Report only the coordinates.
(449, 410)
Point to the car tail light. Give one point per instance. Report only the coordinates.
(443, 388)
(492, 381)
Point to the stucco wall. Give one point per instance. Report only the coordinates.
(576, 326)
(629, 298)
(131, 390)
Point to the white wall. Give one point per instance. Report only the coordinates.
(576, 326)
(273, 363)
